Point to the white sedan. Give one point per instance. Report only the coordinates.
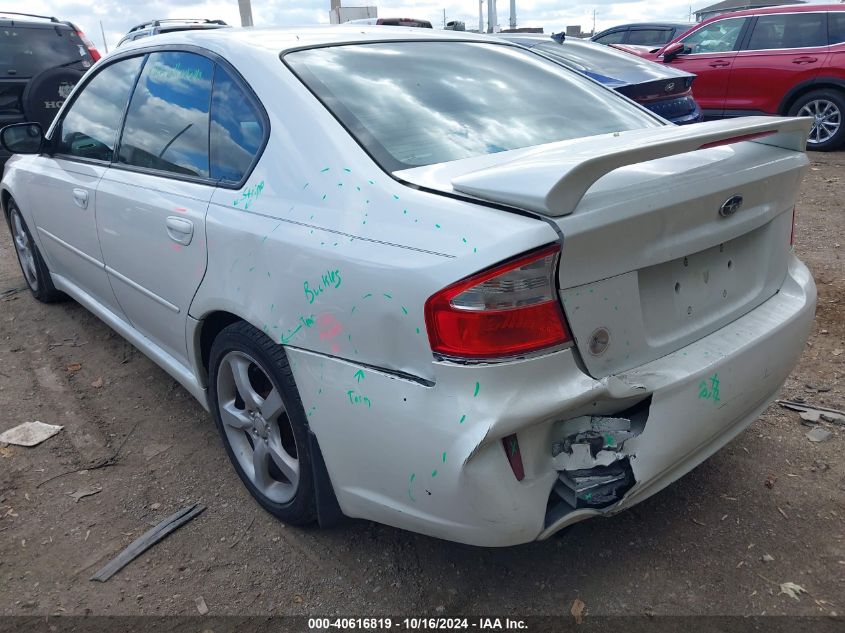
(423, 278)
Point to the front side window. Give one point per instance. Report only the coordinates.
(716, 37)
(419, 103)
(89, 128)
(796, 30)
(167, 124)
(237, 130)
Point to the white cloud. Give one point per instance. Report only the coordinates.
(118, 16)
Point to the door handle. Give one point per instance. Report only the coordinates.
(180, 230)
(719, 64)
(804, 60)
(80, 197)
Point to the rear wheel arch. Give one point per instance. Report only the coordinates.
(819, 83)
(208, 329)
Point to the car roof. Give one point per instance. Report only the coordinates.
(673, 25)
(281, 39)
(33, 20)
(783, 8)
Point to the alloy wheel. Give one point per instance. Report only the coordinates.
(257, 427)
(24, 249)
(827, 118)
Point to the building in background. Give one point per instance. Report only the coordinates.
(728, 6)
(338, 13)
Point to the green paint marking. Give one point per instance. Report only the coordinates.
(340, 184)
(444, 457)
(464, 240)
(306, 186)
(264, 239)
(418, 330)
(272, 307)
(437, 226)
(405, 211)
(477, 388)
(386, 296)
(372, 182)
(404, 310)
(395, 197)
(252, 268)
(347, 170)
(367, 296)
(353, 309)
(514, 447)
(463, 418)
(609, 441)
(357, 187)
(411, 480)
(324, 170)
(325, 196)
(268, 275)
(359, 375)
(434, 473)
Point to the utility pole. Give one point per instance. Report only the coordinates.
(513, 14)
(492, 18)
(245, 7)
(480, 16)
(444, 18)
(594, 23)
(103, 33)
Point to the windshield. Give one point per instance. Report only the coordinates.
(25, 52)
(415, 103)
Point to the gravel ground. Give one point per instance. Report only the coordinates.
(766, 510)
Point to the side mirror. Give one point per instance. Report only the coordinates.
(22, 138)
(672, 51)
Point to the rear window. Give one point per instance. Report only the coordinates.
(420, 24)
(649, 37)
(419, 103)
(794, 30)
(25, 51)
(836, 26)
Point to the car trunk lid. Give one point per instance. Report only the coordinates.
(654, 257)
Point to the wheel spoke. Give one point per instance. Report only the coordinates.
(234, 417)
(286, 463)
(240, 372)
(261, 466)
(272, 406)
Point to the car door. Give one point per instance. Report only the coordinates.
(82, 144)
(152, 202)
(709, 53)
(783, 50)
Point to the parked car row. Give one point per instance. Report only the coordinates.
(782, 60)
(425, 278)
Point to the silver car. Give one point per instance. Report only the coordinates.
(424, 278)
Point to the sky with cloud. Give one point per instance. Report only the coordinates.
(118, 16)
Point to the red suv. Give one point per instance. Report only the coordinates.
(787, 60)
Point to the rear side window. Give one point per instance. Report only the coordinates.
(790, 30)
(167, 124)
(237, 130)
(89, 127)
(25, 52)
(612, 38)
(419, 103)
(648, 37)
(836, 26)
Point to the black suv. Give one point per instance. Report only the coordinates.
(41, 59)
(169, 26)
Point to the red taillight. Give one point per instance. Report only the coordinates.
(95, 54)
(507, 310)
(736, 139)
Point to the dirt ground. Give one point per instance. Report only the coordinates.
(768, 509)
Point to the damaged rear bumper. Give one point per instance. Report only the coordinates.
(435, 459)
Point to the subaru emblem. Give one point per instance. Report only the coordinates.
(730, 206)
(670, 86)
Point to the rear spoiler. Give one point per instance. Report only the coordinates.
(553, 180)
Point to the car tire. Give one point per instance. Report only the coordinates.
(828, 107)
(260, 417)
(45, 93)
(33, 267)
